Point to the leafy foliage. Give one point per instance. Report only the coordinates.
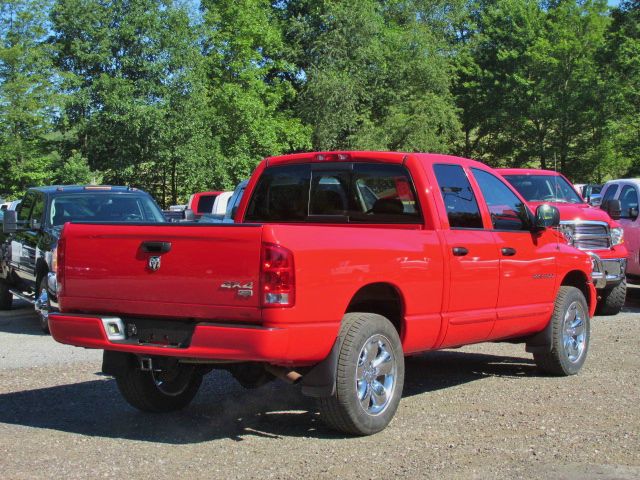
(176, 96)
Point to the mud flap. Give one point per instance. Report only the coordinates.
(320, 381)
(115, 363)
(541, 341)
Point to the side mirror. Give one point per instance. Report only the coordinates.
(234, 210)
(613, 208)
(546, 216)
(10, 222)
(633, 213)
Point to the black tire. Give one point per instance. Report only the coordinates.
(6, 297)
(142, 391)
(345, 411)
(42, 317)
(612, 299)
(569, 342)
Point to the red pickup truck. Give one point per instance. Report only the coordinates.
(339, 265)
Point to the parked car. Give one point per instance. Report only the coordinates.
(201, 203)
(627, 191)
(339, 264)
(231, 207)
(590, 192)
(589, 229)
(31, 234)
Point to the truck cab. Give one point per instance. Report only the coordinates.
(627, 192)
(588, 228)
(31, 233)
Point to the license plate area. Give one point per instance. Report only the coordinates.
(159, 333)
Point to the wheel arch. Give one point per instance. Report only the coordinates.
(579, 280)
(383, 298)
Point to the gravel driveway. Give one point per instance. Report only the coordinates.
(477, 412)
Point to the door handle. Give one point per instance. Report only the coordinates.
(156, 247)
(508, 251)
(459, 251)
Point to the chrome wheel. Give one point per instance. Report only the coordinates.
(574, 334)
(376, 375)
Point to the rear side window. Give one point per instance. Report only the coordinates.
(205, 204)
(457, 194)
(507, 211)
(334, 193)
(628, 200)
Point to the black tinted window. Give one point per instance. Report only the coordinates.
(628, 200)
(24, 209)
(103, 207)
(461, 204)
(609, 193)
(205, 204)
(507, 211)
(365, 193)
(38, 209)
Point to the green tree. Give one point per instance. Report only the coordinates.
(27, 96)
(375, 74)
(249, 87)
(621, 63)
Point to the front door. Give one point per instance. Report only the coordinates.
(527, 261)
(472, 256)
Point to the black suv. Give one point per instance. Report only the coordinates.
(31, 233)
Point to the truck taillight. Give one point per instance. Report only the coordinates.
(59, 262)
(277, 274)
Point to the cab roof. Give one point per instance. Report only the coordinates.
(54, 189)
(528, 171)
(367, 156)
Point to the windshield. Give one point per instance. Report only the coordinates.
(544, 188)
(103, 207)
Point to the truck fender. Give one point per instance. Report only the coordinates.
(320, 381)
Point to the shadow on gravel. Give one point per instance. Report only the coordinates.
(632, 303)
(223, 409)
(21, 319)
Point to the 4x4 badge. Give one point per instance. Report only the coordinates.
(154, 263)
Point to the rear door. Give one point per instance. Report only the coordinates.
(527, 260)
(472, 255)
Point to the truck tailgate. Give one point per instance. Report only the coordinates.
(161, 269)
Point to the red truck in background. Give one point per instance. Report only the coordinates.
(588, 228)
(339, 265)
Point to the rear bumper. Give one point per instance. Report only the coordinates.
(286, 345)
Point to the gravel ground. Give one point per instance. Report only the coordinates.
(477, 412)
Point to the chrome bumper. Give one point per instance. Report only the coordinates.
(610, 271)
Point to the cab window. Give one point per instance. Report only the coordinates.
(507, 211)
(24, 209)
(457, 195)
(37, 213)
(628, 200)
(609, 193)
